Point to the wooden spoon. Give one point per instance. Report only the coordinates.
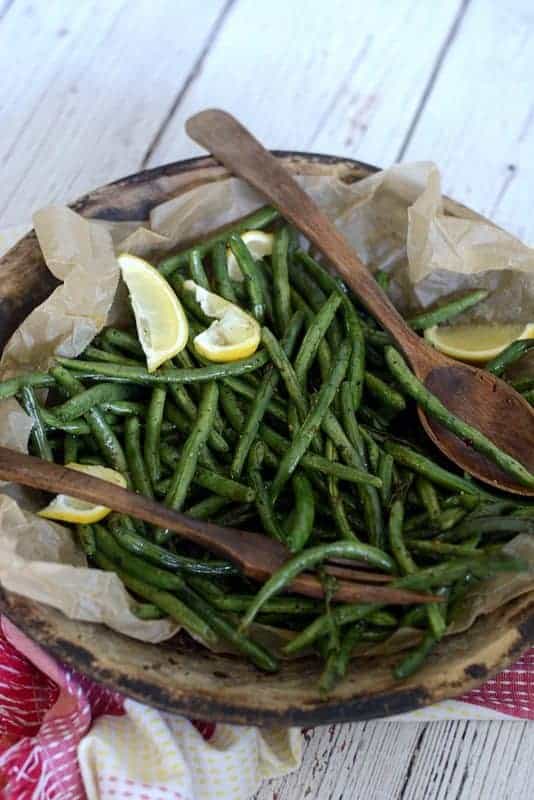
(477, 397)
(256, 555)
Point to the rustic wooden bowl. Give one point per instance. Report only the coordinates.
(179, 676)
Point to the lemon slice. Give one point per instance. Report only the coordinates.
(69, 509)
(233, 335)
(258, 242)
(477, 343)
(161, 321)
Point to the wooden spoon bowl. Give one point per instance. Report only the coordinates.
(179, 676)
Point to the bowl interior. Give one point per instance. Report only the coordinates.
(178, 675)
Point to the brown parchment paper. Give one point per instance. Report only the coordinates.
(396, 219)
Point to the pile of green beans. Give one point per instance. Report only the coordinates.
(312, 440)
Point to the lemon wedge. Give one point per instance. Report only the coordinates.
(161, 322)
(69, 509)
(477, 343)
(233, 335)
(259, 243)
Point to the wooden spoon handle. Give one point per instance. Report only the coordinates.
(236, 148)
(255, 554)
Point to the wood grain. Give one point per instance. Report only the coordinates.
(339, 77)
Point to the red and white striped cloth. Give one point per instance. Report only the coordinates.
(46, 710)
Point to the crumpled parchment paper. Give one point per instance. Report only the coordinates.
(396, 219)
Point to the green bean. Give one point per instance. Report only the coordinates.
(166, 601)
(319, 407)
(414, 660)
(384, 393)
(323, 352)
(315, 462)
(407, 565)
(342, 615)
(424, 466)
(134, 565)
(396, 540)
(373, 450)
(422, 527)
(309, 559)
(12, 386)
(299, 525)
(184, 424)
(509, 355)
(281, 291)
(70, 449)
(482, 525)
(209, 479)
(521, 385)
(136, 465)
(257, 220)
(170, 456)
(76, 428)
(196, 268)
(368, 494)
(438, 548)
(38, 433)
(94, 461)
(429, 498)
(307, 285)
(446, 312)
(237, 517)
(314, 336)
(154, 419)
(382, 278)
(170, 375)
(131, 541)
(264, 505)
(207, 508)
(147, 611)
(79, 404)
(250, 271)
(356, 371)
(86, 538)
(450, 571)
(95, 354)
(330, 283)
(186, 467)
(433, 406)
(337, 662)
(105, 438)
(263, 397)
(336, 501)
(237, 603)
(385, 473)
(350, 423)
(124, 408)
(220, 272)
(257, 654)
(274, 407)
(416, 617)
(123, 340)
(231, 408)
(218, 484)
(287, 373)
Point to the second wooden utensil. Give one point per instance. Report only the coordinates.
(478, 398)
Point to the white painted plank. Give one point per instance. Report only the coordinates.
(478, 123)
(348, 761)
(341, 77)
(85, 87)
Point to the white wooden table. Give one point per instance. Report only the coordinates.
(91, 90)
